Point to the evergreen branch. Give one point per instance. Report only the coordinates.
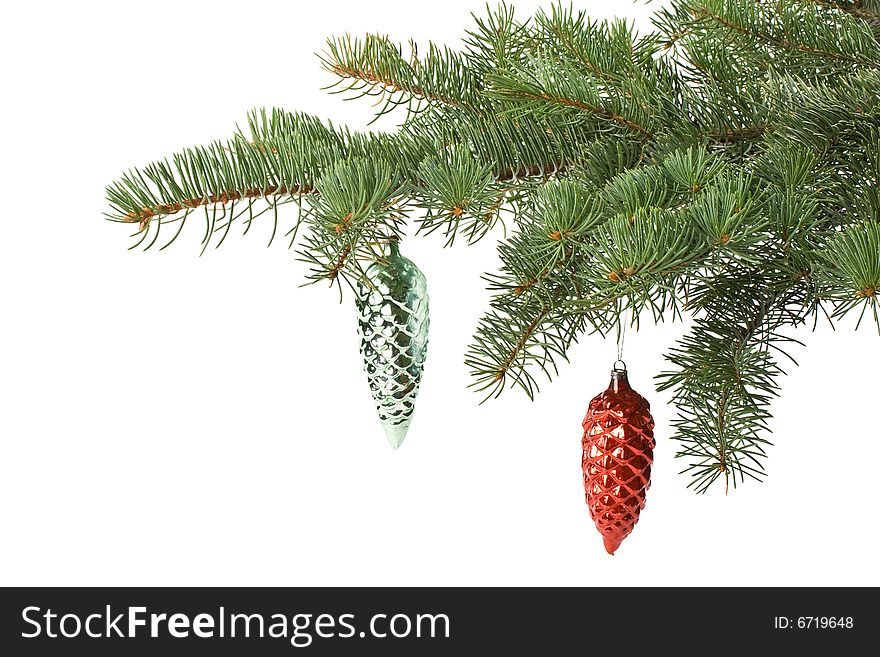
(546, 82)
(850, 275)
(733, 135)
(283, 158)
(358, 209)
(333, 272)
(780, 42)
(723, 387)
(513, 147)
(529, 171)
(387, 83)
(602, 50)
(143, 215)
(510, 343)
(570, 263)
(239, 168)
(498, 40)
(596, 110)
(375, 66)
(726, 165)
(548, 271)
(460, 194)
(522, 339)
(855, 9)
(582, 58)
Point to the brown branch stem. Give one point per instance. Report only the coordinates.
(598, 110)
(145, 214)
(731, 135)
(856, 10)
(333, 272)
(388, 84)
(520, 343)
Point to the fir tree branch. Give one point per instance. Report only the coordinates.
(852, 8)
(733, 135)
(144, 215)
(284, 155)
(596, 110)
(388, 84)
(726, 166)
(529, 171)
(703, 12)
(725, 375)
(603, 50)
(522, 338)
(375, 66)
(850, 272)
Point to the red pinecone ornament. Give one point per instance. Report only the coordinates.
(618, 448)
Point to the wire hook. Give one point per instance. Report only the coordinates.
(621, 335)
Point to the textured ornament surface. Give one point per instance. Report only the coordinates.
(618, 449)
(393, 326)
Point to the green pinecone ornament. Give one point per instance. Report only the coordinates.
(393, 325)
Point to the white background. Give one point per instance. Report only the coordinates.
(170, 419)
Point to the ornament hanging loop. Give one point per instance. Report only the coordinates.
(390, 247)
(393, 244)
(623, 318)
(383, 241)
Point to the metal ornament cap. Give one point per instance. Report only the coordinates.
(618, 450)
(393, 324)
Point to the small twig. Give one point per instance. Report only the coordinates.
(732, 135)
(144, 215)
(388, 84)
(520, 344)
(598, 110)
(333, 273)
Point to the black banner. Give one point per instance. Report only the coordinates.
(419, 621)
